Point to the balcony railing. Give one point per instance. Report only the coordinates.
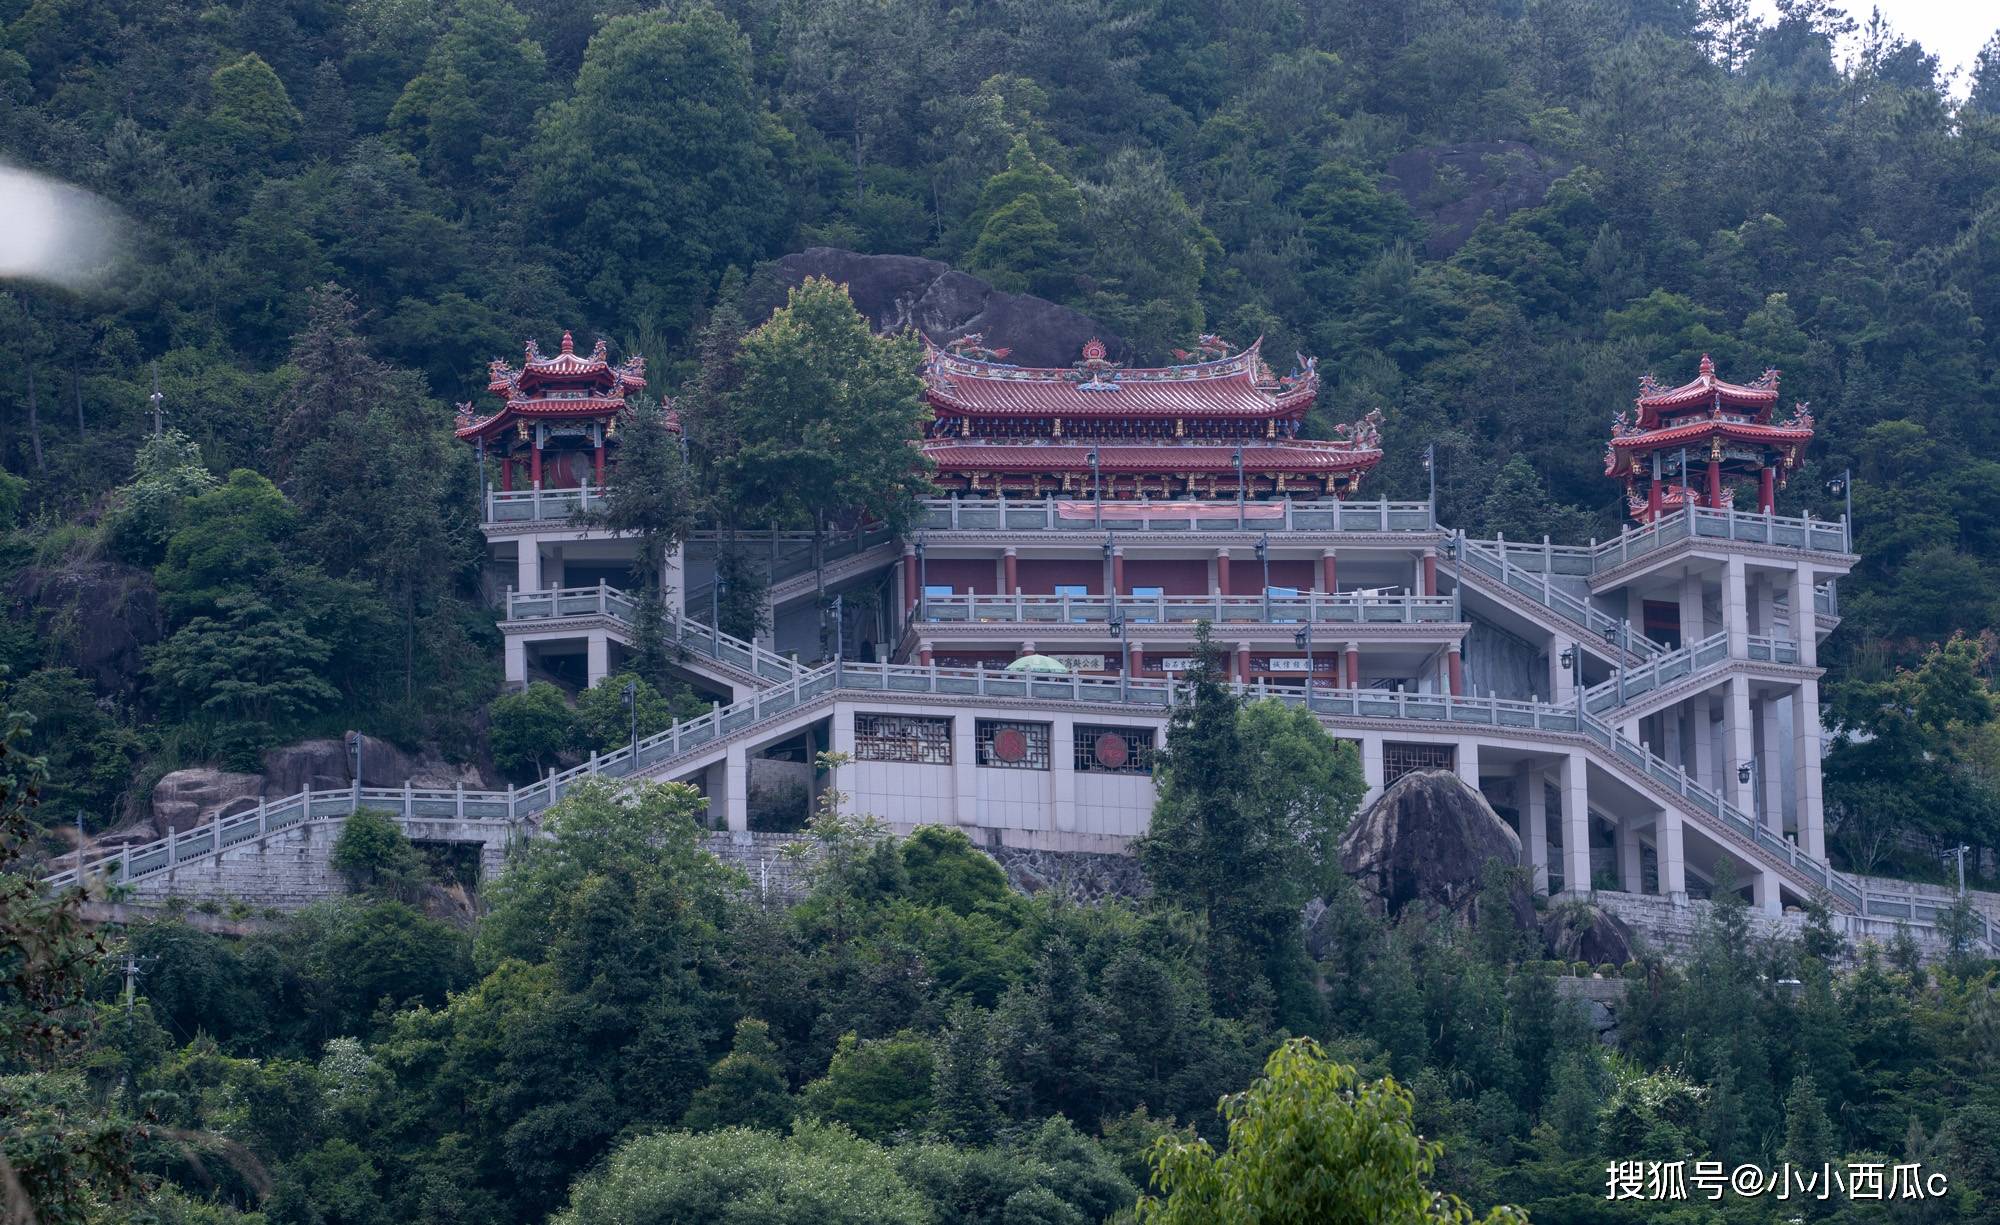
(1479, 557)
(541, 505)
(1080, 515)
(694, 637)
(1702, 523)
(1349, 608)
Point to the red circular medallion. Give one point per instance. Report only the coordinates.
(1010, 744)
(1112, 751)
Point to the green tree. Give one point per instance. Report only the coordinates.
(528, 730)
(878, 1088)
(376, 856)
(818, 1175)
(660, 168)
(144, 513)
(604, 723)
(1029, 227)
(746, 1088)
(249, 110)
(1309, 1141)
(469, 111)
(648, 495)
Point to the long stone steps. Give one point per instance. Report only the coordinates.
(702, 646)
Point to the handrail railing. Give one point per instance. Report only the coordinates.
(1802, 532)
(541, 505)
(1347, 607)
(1628, 683)
(1124, 515)
(697, 637)
(1476, 556)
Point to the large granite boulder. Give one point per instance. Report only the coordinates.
(1581, 931)
(188, 798)
(1427, 840)
(897, 292)
(1454, 187)
(100, 616)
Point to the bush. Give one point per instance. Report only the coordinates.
(530, 729)
(1607, 970)
(1581, 969)
(1633, 970)
(375, 857)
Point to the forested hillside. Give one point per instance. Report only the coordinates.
(232, 515)
(1486, 219)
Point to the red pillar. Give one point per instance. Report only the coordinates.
(535, 465)
(1012, 565)
(1653, 503)
(1138, 658)
(597, 462)
(924, 654)
(1430, 572)
(1326, 566)
(909, 579)
(1455, 672)
(1715, 484)
(1767, 490)
(1222, 572)
(1118, 570)
(1243, 662)
(507, 474)
(1353, 665)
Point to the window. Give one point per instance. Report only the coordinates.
(1401, 759)
(1013, 746)
(1075, 591)
(1112, 750)
(916, 739)
(1147, 616)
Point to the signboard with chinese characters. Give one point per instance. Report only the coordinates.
(1080, 663)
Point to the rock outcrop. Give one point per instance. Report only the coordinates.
(100, 617)
(196, 796)
(897, 292)
(1427, 840)
(1454, 187)
(1583, 931)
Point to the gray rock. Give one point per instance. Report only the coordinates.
(897, 292)
(100, 617)
(1427, 840)
(188, 798)
(1480, 177)
(1583, 931)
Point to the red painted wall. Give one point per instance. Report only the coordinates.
(1039, 576)
(1246, 575)
(1183, 577)
(976, 575)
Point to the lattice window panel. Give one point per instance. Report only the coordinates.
(1112, 750)
(1013, 746)
(914, 739)
(1401, 759)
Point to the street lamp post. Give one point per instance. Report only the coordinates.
(1745, 773)
(1239, 489)
(1572, 659)
(1097, 487)
(1264, 558)
(1430, 471)
(1304, 639)
(1124, 654)
(923, 583)
(1111, 570)
(632, 713)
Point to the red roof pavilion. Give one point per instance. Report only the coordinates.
(1728, 426)
(1172, 431)
(557, 414)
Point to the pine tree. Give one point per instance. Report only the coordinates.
(746, 1088)
(966, 1086)
(1809, 1139)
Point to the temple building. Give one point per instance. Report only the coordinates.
(1688, 445)
(558, 417)
(1640, 709)
(1221, 425)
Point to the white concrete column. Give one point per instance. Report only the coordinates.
(1736, 608)
(517, 660)
(1670, 731)
(1062, 773)
(965, 771)
(673, 581)
(1765, 606)
(842, 730)
(597, 657)
(1811, 816)
(1737, 736)
(1467, 755)
(736, 788)
(1805, 622)
(1770, 778)
(1576, 824)
(527, 564)
(1764, 891)
(1534, 801)
(715, 784)
(1693, 628)
(1631, 873)
(1372, 769)
(1672, 858)
(1701, 726)
(1562, 681)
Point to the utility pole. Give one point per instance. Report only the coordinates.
(1962, 849)
(632, 709)
(80, 843)
(156, 398)
(135, 966)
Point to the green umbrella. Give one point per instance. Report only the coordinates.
(1039, 663)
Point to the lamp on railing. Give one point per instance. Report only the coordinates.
(1239, 488)
(1303, 639)
(923, 582)
(1842, 486)
(1744, 773)
(1097, 487)
(1430, 471)
(631, 698)
(1117, 627)
(1263, 548)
